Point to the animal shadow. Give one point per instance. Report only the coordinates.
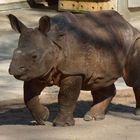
(19, 115)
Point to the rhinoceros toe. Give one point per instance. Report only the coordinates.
(40, 114)
(90, 116)
(62, 120)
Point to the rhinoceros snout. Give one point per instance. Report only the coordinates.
(17, 71)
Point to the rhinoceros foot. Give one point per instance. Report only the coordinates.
(137, 111)
(40, 114)
(96, 116)
(63, 120)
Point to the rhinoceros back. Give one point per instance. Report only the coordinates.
(96, 43)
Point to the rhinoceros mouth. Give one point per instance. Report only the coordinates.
(22, 77)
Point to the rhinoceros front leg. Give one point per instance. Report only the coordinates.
(101, 99)
(32, 90)
(68, 95)
(137, 97)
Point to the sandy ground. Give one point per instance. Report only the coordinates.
(16, 122)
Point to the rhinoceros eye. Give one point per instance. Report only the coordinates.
(34, 56)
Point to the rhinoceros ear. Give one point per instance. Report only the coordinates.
(16, 24)
(44, 24)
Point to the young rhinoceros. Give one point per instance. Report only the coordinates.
(88, 51)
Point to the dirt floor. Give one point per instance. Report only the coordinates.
(120, 124)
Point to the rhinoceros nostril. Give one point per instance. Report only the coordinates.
(22, 68)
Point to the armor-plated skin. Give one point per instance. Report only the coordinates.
(88, 51)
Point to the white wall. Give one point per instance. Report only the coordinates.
(9, 1)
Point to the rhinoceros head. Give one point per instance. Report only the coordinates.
(34, 56)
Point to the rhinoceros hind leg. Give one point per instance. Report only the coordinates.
(137, 97)
(101, 99)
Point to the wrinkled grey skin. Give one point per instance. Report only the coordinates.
(88, 51)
